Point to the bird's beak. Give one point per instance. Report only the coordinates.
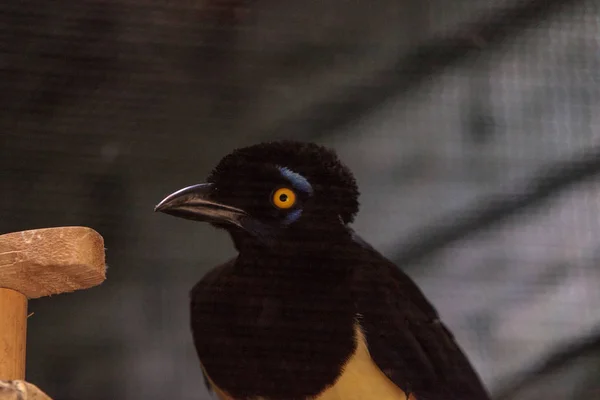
(193, 203)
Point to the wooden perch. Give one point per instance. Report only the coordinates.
(21, 390)
(37, 263)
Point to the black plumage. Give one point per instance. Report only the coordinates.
(279, 321)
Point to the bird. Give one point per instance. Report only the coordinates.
(307, 309)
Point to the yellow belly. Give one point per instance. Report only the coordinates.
(361, 379)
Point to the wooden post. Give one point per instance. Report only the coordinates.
(13, 332)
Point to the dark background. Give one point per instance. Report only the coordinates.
(472, 127)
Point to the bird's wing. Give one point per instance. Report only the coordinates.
(406, 338)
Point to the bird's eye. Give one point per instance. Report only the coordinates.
(283, 198)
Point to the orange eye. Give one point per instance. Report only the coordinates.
(284, 198)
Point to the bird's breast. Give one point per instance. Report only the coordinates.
(281, 342)
(359, 378)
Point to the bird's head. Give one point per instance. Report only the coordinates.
(272, 191)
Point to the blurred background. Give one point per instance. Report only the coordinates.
(473, 128)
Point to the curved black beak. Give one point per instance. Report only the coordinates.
(193, 203)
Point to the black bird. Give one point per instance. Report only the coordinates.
(307, 309)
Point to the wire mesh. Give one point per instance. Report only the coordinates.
(471, 127)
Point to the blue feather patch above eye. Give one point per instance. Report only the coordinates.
(297, 180)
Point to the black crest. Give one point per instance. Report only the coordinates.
(319, 165)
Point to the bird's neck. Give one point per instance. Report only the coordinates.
(296, 251)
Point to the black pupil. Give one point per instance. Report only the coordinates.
(283, 197)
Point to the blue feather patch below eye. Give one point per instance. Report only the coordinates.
(297, 180)
(292, 216)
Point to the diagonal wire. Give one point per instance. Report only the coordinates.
(552, 364)
(412, 69)
(543, 187)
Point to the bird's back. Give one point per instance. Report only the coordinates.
(405, 335)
